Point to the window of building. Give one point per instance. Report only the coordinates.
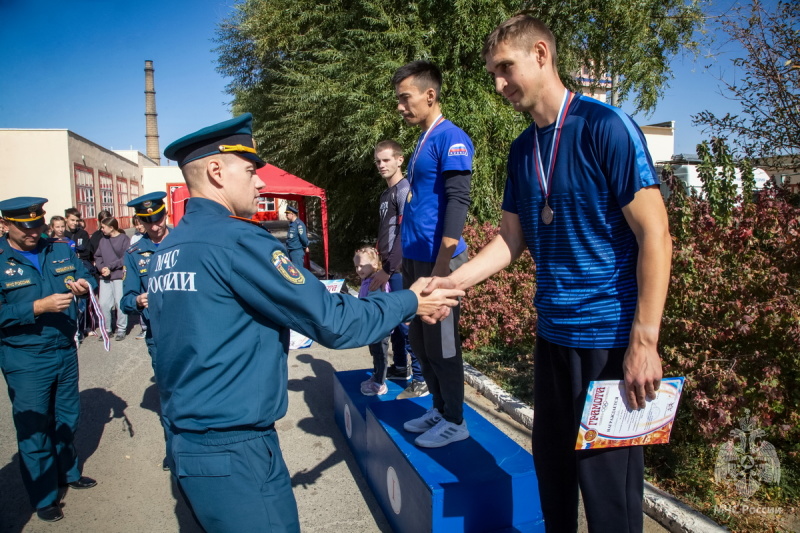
(106, 192)
(266, 204)
(122, 200)
(134, 189)
(84, 192)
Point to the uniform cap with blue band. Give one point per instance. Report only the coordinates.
(234, 136)
(150, 207)
(24, 211)
(290, 209)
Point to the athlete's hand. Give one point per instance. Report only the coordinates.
(379, 279)
(642, 370)
(443, 312)
(431, 303)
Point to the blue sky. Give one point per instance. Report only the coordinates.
(79, 65)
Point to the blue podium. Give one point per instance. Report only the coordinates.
(351, 409)
(484, 483)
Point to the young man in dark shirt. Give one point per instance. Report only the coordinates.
(389, 162)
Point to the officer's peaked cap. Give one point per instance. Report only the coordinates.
(291, 209)
(233, 136)
(150, 207)
(24, 211)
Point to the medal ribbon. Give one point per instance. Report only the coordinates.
(562, 116)
(100, 319)
(421, 143)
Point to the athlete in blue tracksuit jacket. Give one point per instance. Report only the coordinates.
(223, 296)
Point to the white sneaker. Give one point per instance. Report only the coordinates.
(373, 388)
(423, 423)
(366, 384)
(443, 434)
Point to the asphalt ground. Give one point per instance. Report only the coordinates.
(120, 443)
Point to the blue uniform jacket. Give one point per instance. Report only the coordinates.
(297, 236)
(21, 284)
(137, 264)
(222, 297)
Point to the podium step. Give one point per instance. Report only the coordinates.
(484, 483)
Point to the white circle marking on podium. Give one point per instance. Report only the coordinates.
(348, 422)
(393, 488)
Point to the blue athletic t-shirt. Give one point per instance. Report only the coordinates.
(446, 148)
(586, 258)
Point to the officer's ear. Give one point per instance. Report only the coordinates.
(213, 169)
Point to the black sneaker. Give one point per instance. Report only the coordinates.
(402, 373)
(417, 389)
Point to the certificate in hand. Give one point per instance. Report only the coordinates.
(607, 422)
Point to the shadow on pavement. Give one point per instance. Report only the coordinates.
(15, 510)
(318, 395)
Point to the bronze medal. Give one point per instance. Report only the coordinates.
(547, 214)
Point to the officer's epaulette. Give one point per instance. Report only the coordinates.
(132, 248)
(250, 220)
(54, 241)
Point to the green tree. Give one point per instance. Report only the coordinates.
(316, 76)
(767, 86)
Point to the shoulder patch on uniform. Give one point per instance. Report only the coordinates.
(286, 268)
(457, 149)
(250, 220)
(61, 241)
(132, 249)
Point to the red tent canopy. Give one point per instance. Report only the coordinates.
(279, 184)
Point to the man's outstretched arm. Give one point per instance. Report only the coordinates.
(501, 251)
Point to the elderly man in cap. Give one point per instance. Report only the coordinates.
(152, 211)
(296, 237)
(223, 387)
(39, 281)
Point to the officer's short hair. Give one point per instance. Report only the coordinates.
(426, 76)
(390, 144)
(521, 32)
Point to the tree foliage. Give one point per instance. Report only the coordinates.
(316, 75)
(769, 87)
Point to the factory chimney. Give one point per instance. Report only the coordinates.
(151, 132)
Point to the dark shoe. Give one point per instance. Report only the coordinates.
(120, 336)
(402, 373)
(165, 465)
(83, 483)
(51, 513)
(417, 389)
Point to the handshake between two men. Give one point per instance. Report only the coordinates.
(435, 298)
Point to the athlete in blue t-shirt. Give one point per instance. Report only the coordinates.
(439, 174)
(582, 196)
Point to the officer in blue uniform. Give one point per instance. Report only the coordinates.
(222, 298)
(297, 237)
(40, 279)
(152, 211)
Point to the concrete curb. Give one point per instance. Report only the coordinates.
(674, 515)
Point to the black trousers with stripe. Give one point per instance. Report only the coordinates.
(438, 347)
